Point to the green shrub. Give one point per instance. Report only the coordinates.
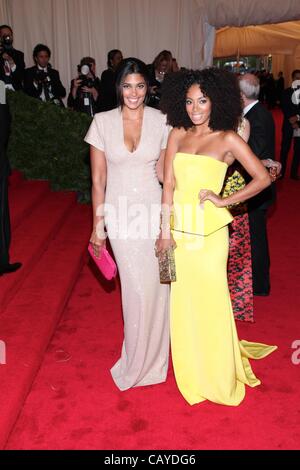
(46, 142)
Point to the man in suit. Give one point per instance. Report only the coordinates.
(12, 63)
(5, 266)
(42, 81)
(291, 122)
(262, 143)
(108, 99)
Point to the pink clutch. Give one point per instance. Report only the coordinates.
(105, 263)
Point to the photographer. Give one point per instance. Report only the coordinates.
(161, 66)
(85, 89)
(108, 81)
(42, 81)
(12, 64)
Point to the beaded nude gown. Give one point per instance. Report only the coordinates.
(133, 199)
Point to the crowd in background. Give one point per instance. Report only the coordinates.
(271, 89)
(88, 93)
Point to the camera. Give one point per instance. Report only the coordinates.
(83, 71)
(5, 44)
(157, 95)
(42, 77)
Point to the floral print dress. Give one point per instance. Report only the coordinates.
(239, 260)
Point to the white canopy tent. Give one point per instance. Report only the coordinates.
(222, 13)
(281, 40)
(76, 28)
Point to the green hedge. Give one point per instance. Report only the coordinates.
(46, 142)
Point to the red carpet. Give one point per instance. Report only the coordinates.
(52, 251)
(73, 403)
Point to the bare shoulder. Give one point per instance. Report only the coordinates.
(177, 134)
(231, 137)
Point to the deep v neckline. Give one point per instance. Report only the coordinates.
(141, 133)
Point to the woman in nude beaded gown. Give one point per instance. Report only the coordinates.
(127, 152)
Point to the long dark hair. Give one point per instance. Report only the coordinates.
(127, 67)
(220, 86)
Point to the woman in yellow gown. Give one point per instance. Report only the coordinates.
(204, 108)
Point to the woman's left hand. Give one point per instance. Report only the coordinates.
(208, 195)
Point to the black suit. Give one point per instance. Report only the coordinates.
(108, 93)
(262, 143)
(57, 88)
(16, 78)
(4, 173)
(155, 98)
(289, 109)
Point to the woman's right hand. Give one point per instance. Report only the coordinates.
(164, 243)
(97, 243)
(77, 82)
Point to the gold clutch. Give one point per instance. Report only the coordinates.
(167, 269)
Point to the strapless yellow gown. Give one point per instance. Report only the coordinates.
(210, 362)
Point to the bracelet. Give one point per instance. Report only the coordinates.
(99, 231)
(165, 224)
